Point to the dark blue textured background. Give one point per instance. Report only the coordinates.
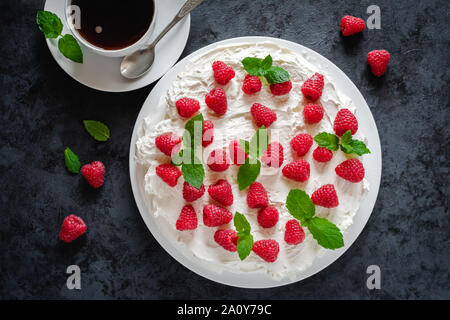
(42, 109)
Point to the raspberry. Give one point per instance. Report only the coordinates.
(251, 84)
(351, 170)
(216, 100)
(168, 143)
(208, 133)
(266, 249)
(274, 155)
(294, 233)
(298, 170)
(257, 196)
(280, 89)
(237, 154)
(218, 160)
(378, 61)
(168, 173)
(322, 154)
(268, 217)
(302, 143)
(187, 107)
(313, 113)
(222, 72)
(187, 219)
(221, 192)
(262, 115)
(72, 228)
(191, 193)
(214, 216)
(344, 121)
(94, 173)
(325, 196)
(351, 25)
(227, 239)
(312, 87)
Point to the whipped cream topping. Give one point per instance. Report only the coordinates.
(165, 203)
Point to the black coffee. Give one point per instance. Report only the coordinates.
(114, 24)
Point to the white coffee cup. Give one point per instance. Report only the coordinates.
(72, 23)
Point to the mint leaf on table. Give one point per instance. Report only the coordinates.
(245, 239)
(72, 162)
(349, 146)
(49, 23)
(97, 130)
(276, 75)
(248, 172)
(70, 48)
(194, 128)
(300, 205)
(327, 140)
(259, 143)
(326, 233)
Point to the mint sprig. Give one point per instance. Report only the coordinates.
(98, 130)
(265, 70)
(347, 144)
(51, 26)
(301, 207)
(245, 239)
(327, 140)
(72, 161)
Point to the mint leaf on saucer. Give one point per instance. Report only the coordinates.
(327, 140)
(49, 23)
(350, 146)
(300, 205)
(276, 75)
(326, 233)
(72, 162)
(70, 48)
(248, 172)
(97, 130)
(245, 239)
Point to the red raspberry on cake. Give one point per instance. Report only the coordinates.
(216, 100)
(221, 192)
(187, 219)
(351, 170)
(274, 155)
(168, 173)
(378, 61)
(268, 217)
(262, 115)
(312, 87)
(94, 173)
(218, 160)
(294, 233)
(227, 239)
(222, 72)
(208, 133)
(321, 154)
(313, 113)
(351, 25)
(187, 107)
(214, 216)
(72, 227)
(257, 196)
(191, 193)
(168, 143)
(267, 250)
(298, 170)
(345, 120)
(302, 143)
(237, 154)
(252, 84)
(325, 196)
(280, 89)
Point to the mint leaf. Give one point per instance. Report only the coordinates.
(241, 224)
(300, 205)
(248, 172)
(194, 127)
(266, 63)
(259, 142)
(327, 140)
(72, 162)
(245, 145)
(349, 146)
(245, 239)
(97, 130)
(252, 66)
(70, 48)
(276, 75)
(326, 233)
(177, 159)
(49, 23)
(193, 172)
(359, 147)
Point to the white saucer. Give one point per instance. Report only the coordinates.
(258, 279)
(102, 73)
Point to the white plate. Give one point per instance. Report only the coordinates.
(255, 279)
(103, 73)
